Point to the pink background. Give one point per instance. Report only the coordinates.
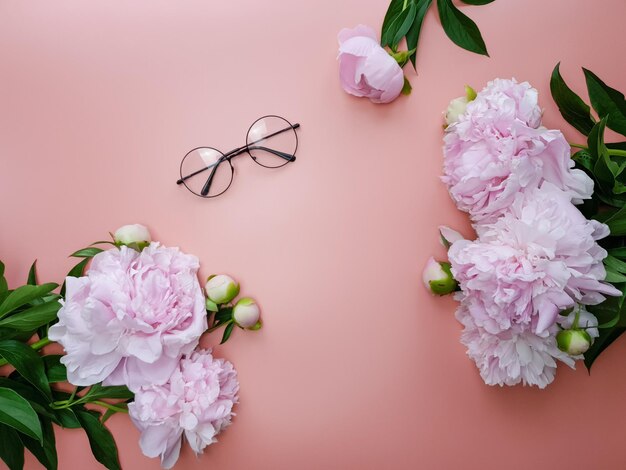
(357, 366)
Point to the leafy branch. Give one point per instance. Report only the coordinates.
(404, 19)
(605, 163)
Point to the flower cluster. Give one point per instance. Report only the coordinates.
(523, 284)
(497, 148)
(135, 319)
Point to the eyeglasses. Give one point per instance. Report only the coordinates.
(271, 142)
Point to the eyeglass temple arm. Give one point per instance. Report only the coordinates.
(240, 150)
(209, 180)
(283, 155)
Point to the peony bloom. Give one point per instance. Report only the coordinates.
(512, 356)
(539, 258)
(129, 320)
(197, 401)
(518, 355)
(365, 68)
(497, 149)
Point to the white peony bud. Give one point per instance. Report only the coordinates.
(438, 278)
(455, 109)
(448, 236)
(573, 342)
(247, 313)
(221, 289)
(458, 105)
(134, 236)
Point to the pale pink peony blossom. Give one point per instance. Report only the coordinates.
(131, 318)
(514, 356)
(497, 149)
(365, 68)
(197, 401)
(518, 355)
(539, 258)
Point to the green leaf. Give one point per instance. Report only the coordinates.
(3, 282)
(615, 264)
(30, 393)
(394, 22)
(28, 363)
(618, 252)
(607, 101)
(613, 276)
(87, 252)
(585, 159)
(408, 16)
(16, 412)
(460, 28)
(413, 34)
(32, 274)
(76, 271)
(32, 318)
(573, 109)
(55, 371)
(24, 295)
(406, 88)
(225, 313)
(67, 418)
(227, 332)
(605, 170)
(98, 392)
(11, 448)
(46, 453)
(100, 440)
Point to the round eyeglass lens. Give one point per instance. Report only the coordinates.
(205, 172)
(272, 141)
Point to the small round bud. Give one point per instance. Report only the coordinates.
(134, 236)
(221, 289)
(438, 277)
(247, 313)
(573, 342)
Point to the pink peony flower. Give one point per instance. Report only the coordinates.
(365, 68)
(197, 401)
(129, 320)
(497, 149)
(512, 356)
(539, 258)
(517, 354)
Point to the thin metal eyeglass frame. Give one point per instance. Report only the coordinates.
(238, 151)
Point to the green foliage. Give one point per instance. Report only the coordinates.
(404, 19)
(605, 163)
(30, 403)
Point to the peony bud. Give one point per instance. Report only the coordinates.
(448, 236)
(458, 105)
(221, 289)
(134, 236)
(438, 277)
(573, 342)
(246, 314)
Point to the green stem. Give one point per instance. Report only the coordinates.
(37, 345)
(104, 404)
(617, 152)
(213, 328)
(578, 146)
